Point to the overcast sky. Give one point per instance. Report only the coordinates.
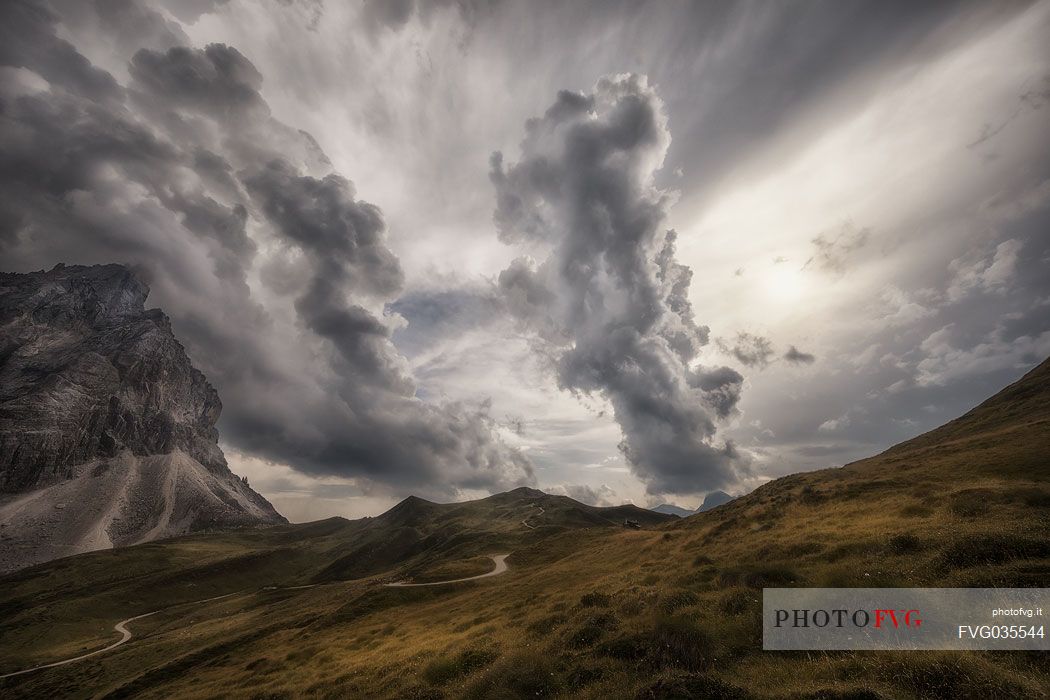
(624, 251)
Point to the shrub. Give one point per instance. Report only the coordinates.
(584, 675)
(811, 496)
(837, 694)
(526, 674)
(592, 630)
(677, 600)
(1036, 498)
(904, 543)
(916, 510)
(594, 599)
(547, 624)
(680, 641)
(936, 675)
(735, 602)
(632, 607)
(759, 577)
(992, 549)
(690, 685)
(631, 648)
(970, 503)
(442, 670)
(801, 549)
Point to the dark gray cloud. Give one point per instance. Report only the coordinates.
(387, 14)
(797, 357)
(610, 296)
(128, 25)
(750, 349)
(183, 173)
(28, 40)
(172, 159)
(217, 81)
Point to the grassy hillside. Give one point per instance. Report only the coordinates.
(588, 608)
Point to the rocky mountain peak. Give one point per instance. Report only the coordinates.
(86, 372)
(89, 379)
(75, 295)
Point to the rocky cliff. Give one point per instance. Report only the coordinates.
(107, 432)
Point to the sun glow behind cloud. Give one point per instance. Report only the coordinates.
(845, 186)
(892, 156)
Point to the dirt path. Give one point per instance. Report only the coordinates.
(525, 522)
(125, 635)
(499, 559)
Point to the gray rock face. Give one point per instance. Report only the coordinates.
(89, 377)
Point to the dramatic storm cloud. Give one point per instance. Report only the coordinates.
(607, 293)
(184, 173)
(859, 194)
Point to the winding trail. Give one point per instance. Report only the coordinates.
(501, 566)
(125, 635)
(525, 522)
(500, 561)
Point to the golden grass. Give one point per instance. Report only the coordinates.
(590, 612)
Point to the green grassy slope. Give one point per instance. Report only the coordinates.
(588, 609)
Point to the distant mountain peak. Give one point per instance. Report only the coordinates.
(671, 509)
(713, 500)
(413, 501)
(527, 492)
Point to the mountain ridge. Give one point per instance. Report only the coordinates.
(673, 609)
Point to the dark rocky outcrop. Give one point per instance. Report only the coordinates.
(88, 376)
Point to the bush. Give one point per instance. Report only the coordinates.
(526, 674)
(916, 510)
(441, 671)
(904, 543)
(971, 502)
(943, 676)
(584, 675)
(547, 624)
(592, 630)
(735, 602)
(811, 496)
(836, 694)
(992, 549)
(594, 599)
(680, 641)
(1036, 498)
(690, 685)
(759, 577)
(677, 600)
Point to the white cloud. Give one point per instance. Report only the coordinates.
(985, 274)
